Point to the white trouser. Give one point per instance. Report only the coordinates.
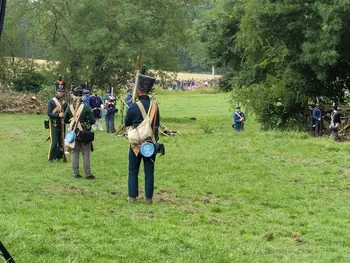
(98, 124)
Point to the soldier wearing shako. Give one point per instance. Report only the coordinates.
(239, 119)
(55, 110)
(136, 113)
(60, 83)
(81, 118)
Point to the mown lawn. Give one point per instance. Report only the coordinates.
(221, 196)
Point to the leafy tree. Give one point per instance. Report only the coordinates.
(98, 41)
(281, 54)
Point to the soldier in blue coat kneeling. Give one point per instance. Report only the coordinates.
(239, 119)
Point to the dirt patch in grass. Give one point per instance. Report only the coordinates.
(17, 132)
(69, 190)
(269, 236)
(297, 236)
(192, 210)
(215, 221)
(320, 199)
(211, 199)
(115, 193)
(244, 147)
(168, 196)
(145, 214)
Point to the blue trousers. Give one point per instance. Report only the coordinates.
(239, 126)
(110, 122)
(134, 167)
(317, 128)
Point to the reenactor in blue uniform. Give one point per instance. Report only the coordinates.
(60, 84)
(110, 115)
(133, 118)
(86, 97)
(128, 98)
(107, 95)
(316, 117)
(95, 102)
(55, 110)
(239, 119)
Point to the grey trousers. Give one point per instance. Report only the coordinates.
(335, 133)
(85, 149)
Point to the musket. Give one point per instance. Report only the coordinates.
(62, 141)
(122, 126)
(6, 255)
(136, 78)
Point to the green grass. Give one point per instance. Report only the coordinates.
(220, 196)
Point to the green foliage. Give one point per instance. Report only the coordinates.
(207, 128)
(98, 41)
(12, 68)
(29, 81)
(47, 92)
(281, 55)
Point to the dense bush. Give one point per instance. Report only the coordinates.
(29, 81)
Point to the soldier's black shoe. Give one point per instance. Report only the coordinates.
(91, 177)
(77, 176)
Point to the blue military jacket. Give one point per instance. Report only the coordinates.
(236, 118)
(316, 113)
(134, 116)
(128, 100)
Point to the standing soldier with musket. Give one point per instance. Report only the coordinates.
(136, 114)
(55, 110)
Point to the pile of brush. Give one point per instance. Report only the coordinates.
(21, 103)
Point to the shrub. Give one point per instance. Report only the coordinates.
(29, 81)
(207, 129)
(46, 92)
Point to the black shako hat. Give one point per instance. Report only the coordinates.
(78, 91)
(145, 83)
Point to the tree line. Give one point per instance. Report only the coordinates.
(97, 41)
(278, 57)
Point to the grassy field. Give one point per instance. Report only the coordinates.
(221, 196)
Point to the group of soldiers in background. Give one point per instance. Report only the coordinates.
(84, 113)
(99, 107)
(318, 115)
(190, 84)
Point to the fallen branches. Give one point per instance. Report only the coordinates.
(21, 103)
